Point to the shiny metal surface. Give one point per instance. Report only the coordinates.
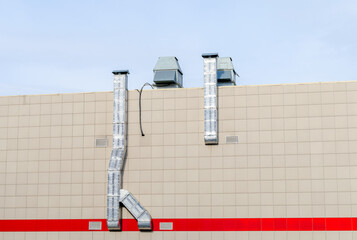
(116, 194)
(210, 98)
(135, 208)
(118, 150)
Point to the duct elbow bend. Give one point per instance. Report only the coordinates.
(145, 222)
(136, 209)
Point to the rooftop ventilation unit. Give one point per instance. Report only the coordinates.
(226, 75)
(167, 73)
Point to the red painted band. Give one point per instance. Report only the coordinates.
(188, 224)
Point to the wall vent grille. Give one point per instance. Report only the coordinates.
(101, 142)
(95, 225)
(166, 226)
(231, 139)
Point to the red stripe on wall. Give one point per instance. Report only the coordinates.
(188, 224)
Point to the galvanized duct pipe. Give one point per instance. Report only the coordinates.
(116, 194)
(210, 98)
(134, 207)
(118, 150)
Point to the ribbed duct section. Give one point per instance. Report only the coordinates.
(134, 207)
(210, 98)
(116, 194)
(118, 150)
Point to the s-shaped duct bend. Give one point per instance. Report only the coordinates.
(117, 195)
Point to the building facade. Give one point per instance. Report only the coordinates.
(285, 166)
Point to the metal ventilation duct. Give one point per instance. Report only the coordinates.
(167, 73)
(226, 75)
(116, 194)
(210, 98)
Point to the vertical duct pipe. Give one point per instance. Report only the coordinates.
(117, 195)
(210, 98)
(118, 149)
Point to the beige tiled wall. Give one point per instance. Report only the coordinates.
(49, 167)
(296, 156)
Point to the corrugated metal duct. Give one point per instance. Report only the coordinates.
(210, 98)
(116, 194)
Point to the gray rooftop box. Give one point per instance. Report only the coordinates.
(167, 73)
(226, 75)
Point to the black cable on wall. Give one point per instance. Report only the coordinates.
(140, 93)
